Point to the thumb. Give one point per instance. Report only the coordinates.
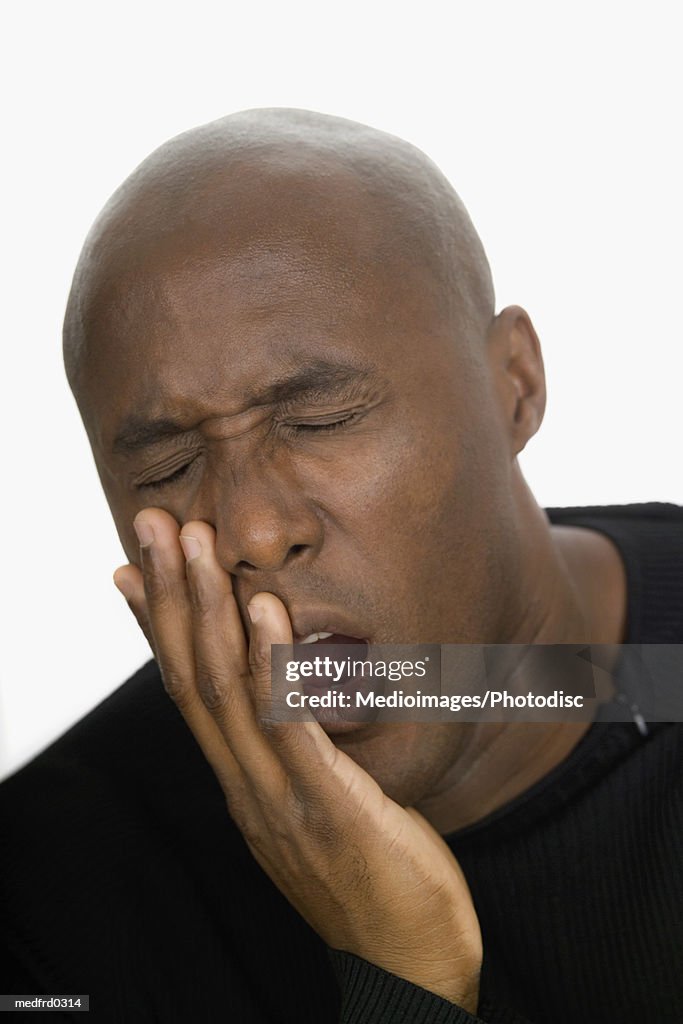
(270, 624)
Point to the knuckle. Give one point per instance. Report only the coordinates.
(324, 833)
(259, 660)
(253, 836)
(202, 598)
(212, 694)
(268, 726)
(278, 734)
(176, 688)
(157, 589)
(243, 680)
(319, 826)
(269, 827)
(275, 844)
(236, 808)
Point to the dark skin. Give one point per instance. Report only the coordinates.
(296, 435)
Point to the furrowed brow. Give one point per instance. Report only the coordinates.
(318, 378)
(139, 433)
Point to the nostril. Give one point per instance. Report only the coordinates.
(245, 566)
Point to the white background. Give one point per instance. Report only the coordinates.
(558, 124)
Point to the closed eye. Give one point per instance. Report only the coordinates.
(322, 425)
(318, 426)
(165, 481)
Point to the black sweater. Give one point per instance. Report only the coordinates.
(122, 875)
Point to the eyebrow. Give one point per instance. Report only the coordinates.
(317, 378)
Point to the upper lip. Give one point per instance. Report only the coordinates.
(306, 622)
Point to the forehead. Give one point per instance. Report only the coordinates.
(191, 327)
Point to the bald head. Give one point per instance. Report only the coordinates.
(300, 185)
(282, 326)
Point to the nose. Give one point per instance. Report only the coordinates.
(263, 522)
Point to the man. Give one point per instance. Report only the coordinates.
(306, 418)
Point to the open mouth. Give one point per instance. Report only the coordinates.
(336, 645)
(329, 638)
(336, 678)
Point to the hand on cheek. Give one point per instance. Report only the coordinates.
(370, 877)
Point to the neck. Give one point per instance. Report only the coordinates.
(575, 593)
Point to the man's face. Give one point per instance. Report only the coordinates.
(319, 410)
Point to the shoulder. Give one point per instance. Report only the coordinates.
(647, 516)
(649, 537)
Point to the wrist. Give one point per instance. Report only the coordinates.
(456, 980)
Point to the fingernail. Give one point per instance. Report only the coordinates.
(123, 586)
(191, 547)
(255, 612)
(144, 532)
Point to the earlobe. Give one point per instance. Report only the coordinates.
(519, 375)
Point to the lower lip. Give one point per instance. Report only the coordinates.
(333, 719)
(333, 723)
(341, 728)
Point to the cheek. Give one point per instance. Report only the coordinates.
(413, 508)
(384, 484)
(422, 522)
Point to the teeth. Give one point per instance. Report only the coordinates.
(313, 637)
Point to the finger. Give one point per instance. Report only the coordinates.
(128, 581)
(163, 575)
(304, 748)
(222, 672)
(270, 624)
(330, 790)
(170, 619)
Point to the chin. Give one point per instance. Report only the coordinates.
(393, 755)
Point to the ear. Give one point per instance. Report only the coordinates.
(514, 354)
